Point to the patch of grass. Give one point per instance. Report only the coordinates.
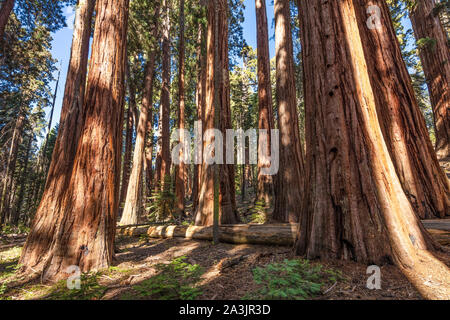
(291, 280)
(90, 289)
(175, 281)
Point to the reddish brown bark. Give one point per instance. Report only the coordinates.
(5, 13)
(435, 58)
(401, 120)
(265, 116)
(180, 169)
(290, 178)
(163, 158)
(85, 215)
(205, 209)
(42, 231)
(355, 208)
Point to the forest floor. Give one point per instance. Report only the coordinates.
(177, 268)
(146, 268)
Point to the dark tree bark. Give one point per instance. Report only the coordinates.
(180, 169)
(265, 116)
(355, 208)
(83, 218)
(22, 183)
(435, 58)
(205, 209)
(290, 178)
(5, 201)
(401, 120)
(5, 13)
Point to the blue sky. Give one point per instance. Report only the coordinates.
(62, 41)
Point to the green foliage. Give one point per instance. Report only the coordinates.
(258, 212)
(175, 281)
(427, 44)
(291, 279)
(162, 202)
(90, 289)
(21, 228)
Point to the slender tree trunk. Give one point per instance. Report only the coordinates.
(164, 152)
(22, 183)
(181, 167)
(355, 207)
(205, 209)
(200, 102)
(5, 13)
(265, 115)
(435, 58)
(290, 178)
(149, 154)
(133, 202)
(16, 138)
(85, 217)
(128, 137)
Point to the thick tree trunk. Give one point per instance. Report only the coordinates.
(181, 167)
(149, 154)
(290, 178)
(128, 136)
(85, 215)
(133, 203)
(39, 240)
(355, 207)
(435, 58)
(401, 120)
(265, 116)
(5, 201)
(5, 13)
(205, 209)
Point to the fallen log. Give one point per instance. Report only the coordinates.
(265, 234)
(273, 234)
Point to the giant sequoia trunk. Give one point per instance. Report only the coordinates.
(83, 217)
(265, 116)
(42, 231)
(5, 12)
(401, 120)
(355, 208)
(181, 167)
(205, 210)
(435, 57)
(133, 202)
(290, 178)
